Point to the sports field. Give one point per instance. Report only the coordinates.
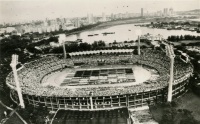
(93, 76)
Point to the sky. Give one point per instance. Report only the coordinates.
(26, 10)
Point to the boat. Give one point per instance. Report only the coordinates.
(96, 34)
(90, 35)
(169, 28)
(105, 33)
(129, 30)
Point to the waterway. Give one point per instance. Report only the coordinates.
(124, 32)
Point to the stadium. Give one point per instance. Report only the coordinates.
(100, 80)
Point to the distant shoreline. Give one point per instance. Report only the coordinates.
(186, 42)
(112, 23)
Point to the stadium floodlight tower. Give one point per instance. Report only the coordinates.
(138, 33)
(13, 65)
(91, 102)
(61, 40)
(171, 55)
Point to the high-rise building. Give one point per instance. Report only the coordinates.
(77, 23)
(127, 15)
(65, 20)
(165, 12)
(142, 12)
(90, 19)
(45, 23)
(171, 12)
(159, 13)
(57, 20)
(112, 16)
(103, 17)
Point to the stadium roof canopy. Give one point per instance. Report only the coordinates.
(101, 51)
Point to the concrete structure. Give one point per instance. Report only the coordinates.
(142, 12)
(171, 12)
(103, 17)
(61, 41)
(90, 18)
(165, 12)
(130, 99)
(171, 55)
(138, 33)
(77, 23)
(138, 45)
(171, 79)
(10, 29)
(133, 100)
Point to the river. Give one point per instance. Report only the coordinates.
(124, 32)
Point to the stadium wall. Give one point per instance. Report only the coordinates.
(111, 101)
(135, 100)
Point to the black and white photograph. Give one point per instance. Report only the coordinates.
(99, 61)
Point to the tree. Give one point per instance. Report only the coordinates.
(162, 46)
(39, 114)
(193, 37)
(98, 44)
(72, 47)
(169, 38)
(172, 23)
(173, 38)
(181, 37)
(25, 113)
(187, 23)
(94, 45)
(177, 38)
(34, 115)
(57, 50)
(115, 42)
(84, 46)
(101, 43)
(54, 39)
(135, 51)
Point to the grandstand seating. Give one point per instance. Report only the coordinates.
(31, 75)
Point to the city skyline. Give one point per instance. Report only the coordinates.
(19, 11)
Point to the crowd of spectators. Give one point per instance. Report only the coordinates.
(31, 74)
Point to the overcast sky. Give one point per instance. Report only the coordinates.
(21, 10)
